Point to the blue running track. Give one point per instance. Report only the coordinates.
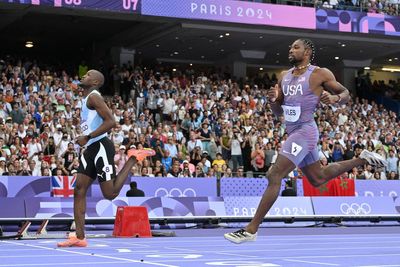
(297, 247)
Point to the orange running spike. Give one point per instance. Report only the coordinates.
(73, 241)
(141, 154)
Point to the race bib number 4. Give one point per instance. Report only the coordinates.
(291, 113)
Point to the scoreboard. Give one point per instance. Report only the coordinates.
(130, 6)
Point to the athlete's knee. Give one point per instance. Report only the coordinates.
(274, 179)
(315, 183)
(316, 180)
(79, 191)
(110, 196)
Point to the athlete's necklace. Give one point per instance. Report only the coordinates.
(303, 67)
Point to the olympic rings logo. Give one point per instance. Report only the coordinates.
(175, 192)
(355, 208)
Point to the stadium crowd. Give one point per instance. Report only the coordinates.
(201, 124)
(389, 7)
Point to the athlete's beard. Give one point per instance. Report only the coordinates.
(293, 61)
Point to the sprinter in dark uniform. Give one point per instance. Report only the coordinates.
(97, 160)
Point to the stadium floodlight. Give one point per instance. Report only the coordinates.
(29, 44)
(391, 69)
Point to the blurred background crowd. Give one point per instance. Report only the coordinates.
(200, 123)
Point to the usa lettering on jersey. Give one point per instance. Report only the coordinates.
(292, 89)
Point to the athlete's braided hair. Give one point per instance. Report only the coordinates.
(309, 44)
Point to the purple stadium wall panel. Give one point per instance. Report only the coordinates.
(355, 206)
(169, 187)
(380, 188)
(233, 11)
(397, 204)
(12, 207)
(250, 187)
(360, 22)
(284, 206)
(24, 186)
(98, 207)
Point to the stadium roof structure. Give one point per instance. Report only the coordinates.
(73, 31)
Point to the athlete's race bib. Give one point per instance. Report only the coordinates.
(85, 127)
(291, 113)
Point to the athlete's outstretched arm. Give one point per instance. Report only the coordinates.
(337, 92)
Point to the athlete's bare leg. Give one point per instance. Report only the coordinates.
(275, 174)
(318, 174)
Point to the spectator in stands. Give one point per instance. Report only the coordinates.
(185, 172)
(240, 172)
(392, 162)
(17, 114)
(348, 152)
(196, 155)
(228, 173)
(219, 162)
(134, 191)
(187, 164)
(175, 171)
(377, 176)
(258, 160)
(205, 135)
(198, 171)
(269, 152)
(337, 152)
(69, 155)
(120, 158)
(247, 153)
(166, 160)
(50, 147)
(325, 151)
(225, 140)
(236, 149)
(3, 168)
(194, 142)
(171, 147)
(393, 176)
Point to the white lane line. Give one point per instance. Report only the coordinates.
(36, 256)
(216, 252)
(16, 249)
(63, 255)
(90, 263)
(121, 243)
(236, 254)
(269, 240)
(302, 257)
(257, 244)
(199, 248)
(95, 255)
(313, 262)
(123, 250)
